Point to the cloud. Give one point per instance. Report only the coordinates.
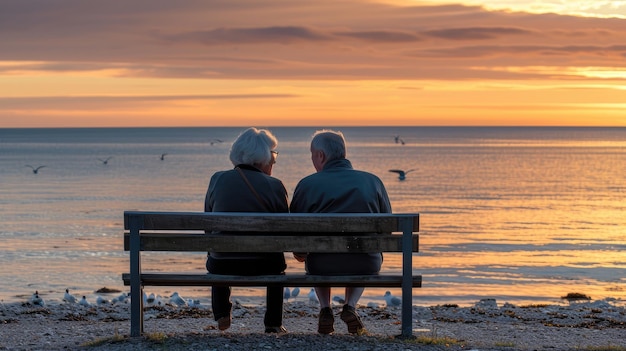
(233, 36)
(294, 40)
(529, 51)
(382, 36)
(476, 33)
(83, 102)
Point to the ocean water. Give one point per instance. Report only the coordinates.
(522, 215)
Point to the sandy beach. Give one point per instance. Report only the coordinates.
(587, 325)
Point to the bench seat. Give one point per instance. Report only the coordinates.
(288, 279)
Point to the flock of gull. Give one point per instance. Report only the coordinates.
(176, 300)
(105, 161)
(398, 140)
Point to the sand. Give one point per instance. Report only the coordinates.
(587, 325)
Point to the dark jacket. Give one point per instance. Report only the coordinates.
(338, 188)
(228, 192)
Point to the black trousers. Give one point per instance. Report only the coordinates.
(268, 264)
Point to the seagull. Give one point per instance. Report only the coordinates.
(215, 141)
(37, 300)
(295, 292)
(372, 304)
(193, 303)
(391, 300)
(397, 139)
(313, 296)
(339, 299)
(177, 300)
(101, 300)
(35, 170)
(163, 157)
(106, 160)
(401, 173)
(286, 294)
(83, 302)
(67, 297)
(149, 299)
(122, 298)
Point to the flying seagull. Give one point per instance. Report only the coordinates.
(398, 140)
(215, 141)
(35, 170)
(401, 173)
(106, 160)
(163, 157)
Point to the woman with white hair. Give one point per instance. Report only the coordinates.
(248, 187)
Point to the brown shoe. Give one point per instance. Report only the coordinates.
(223, 323)
(326, 324)
(352, 320)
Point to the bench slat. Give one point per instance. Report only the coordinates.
(289, 279)
(269, 243)
(270, 222)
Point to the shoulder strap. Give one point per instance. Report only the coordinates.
(258, 197)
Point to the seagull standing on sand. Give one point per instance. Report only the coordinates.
(83, 302)
(194, 303)
(101, 300)
(373, 305)
(177, 300)
(401, 173)
(313, 296)
(295, 292)
(286, 294)
(122, 298)
(35, 169)
(339, 299)
(391, 300)
(67, 297)
(37, 300)
(106, 160)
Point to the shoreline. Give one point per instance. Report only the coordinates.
(488, 325)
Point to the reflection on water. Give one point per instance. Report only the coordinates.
(522, 215)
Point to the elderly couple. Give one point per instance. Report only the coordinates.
(335, 187)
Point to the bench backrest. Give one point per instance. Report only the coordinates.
(270, 232)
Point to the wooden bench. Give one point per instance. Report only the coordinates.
(269, 232)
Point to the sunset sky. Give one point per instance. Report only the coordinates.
(78, 63)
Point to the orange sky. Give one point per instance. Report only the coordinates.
(71, 63)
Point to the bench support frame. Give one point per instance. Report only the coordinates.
(135, 223)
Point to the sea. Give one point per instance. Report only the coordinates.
(524, 215)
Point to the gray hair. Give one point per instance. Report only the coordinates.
(253, 147)
(331, 143)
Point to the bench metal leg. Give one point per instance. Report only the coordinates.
(407, 276)
(136, 290)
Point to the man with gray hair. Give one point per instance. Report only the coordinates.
(338, 188)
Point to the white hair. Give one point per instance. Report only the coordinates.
(253, 147)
